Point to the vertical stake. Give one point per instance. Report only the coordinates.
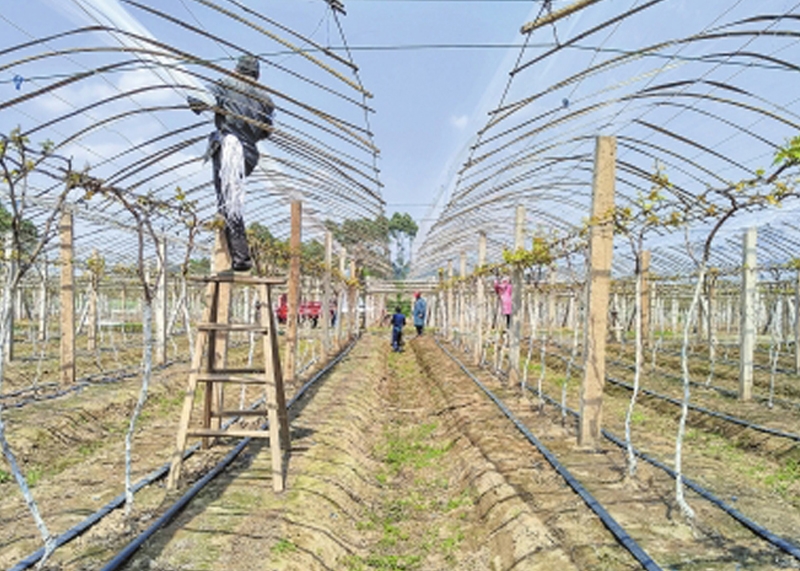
(67, 299)
(161, 304)
(480, 303)
(293, 290)
(601, 242)
(325, 306)
(747, 331)
(450, 309)
(517, 313)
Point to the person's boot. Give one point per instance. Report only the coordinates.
(239, 251)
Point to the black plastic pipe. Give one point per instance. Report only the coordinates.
(165, 518)
(622, 536)
(756, 528)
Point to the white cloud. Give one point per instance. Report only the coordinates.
(459, 122)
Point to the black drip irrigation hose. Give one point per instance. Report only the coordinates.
(90, 521)
(80, 384)
(622, 536)
(756, 528)
(700, 409)
(721, 390)
(154, 476)
(165, 518)
(723, 416)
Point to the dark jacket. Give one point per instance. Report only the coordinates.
(398, 321)
(242, 110)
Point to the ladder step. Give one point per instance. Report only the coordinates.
(229, 413)
(234, 278)
(226, 377)
(211, 432)
(233, 327)
(242, 370)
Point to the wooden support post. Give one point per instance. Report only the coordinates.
(480, 287)
(43, 302)
(352, 301)
(341, 297)
(747, 334)
(517, 310)
(462, 306)
(326, 296)
(160, 305)
(601, 242)
(94, 284)
(293, 290)
(797, 323)
(67, 300)
(711, 296)
(645, 299)
(450, 302)
(552, 321)
(10, 268)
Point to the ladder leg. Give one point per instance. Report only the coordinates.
(186, 414)
(276, 401)
(200, 345)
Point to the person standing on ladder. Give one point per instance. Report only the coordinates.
(243, 115)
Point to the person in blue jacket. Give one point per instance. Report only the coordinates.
(243, 115)
(420, 312)
(398, 322)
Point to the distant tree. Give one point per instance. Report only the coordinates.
(367, 241)
(402, 230)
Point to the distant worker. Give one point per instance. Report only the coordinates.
(398, 322)
(243, 116)
(503, 290)
(420, 312)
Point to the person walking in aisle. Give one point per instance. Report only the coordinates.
(398, 322)
(420, 312)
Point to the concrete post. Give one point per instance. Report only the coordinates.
(797, 323)
(10, 268)
(517, 311)
(293, 291)
(161, 304)
(450, 302)
(747, 334)
(67, 300)
(326, 296)
(43, 302)
(480, 303)
(645, 299)
(601, 242)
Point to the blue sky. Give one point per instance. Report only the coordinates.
(428, 100)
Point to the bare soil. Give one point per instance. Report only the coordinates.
(398, 462)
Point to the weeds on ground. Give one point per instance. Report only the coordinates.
(282, 547)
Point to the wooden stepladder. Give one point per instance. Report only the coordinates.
(209, 368)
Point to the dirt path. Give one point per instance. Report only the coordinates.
(399, 462)
(387, 473)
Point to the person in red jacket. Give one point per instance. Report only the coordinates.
(243, 115)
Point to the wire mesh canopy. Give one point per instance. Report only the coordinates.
(104, 91)
(699, 96)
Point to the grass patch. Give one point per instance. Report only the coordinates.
(5, 476)
(410, 450)
(784, 477)
(34, 476)
(283, 547)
